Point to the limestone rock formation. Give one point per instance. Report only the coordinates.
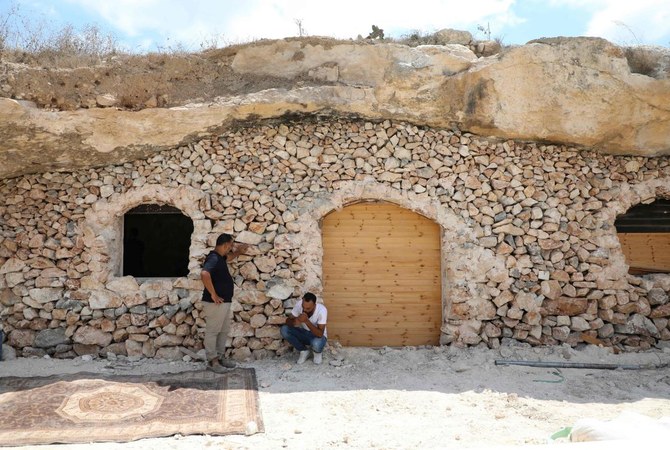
(582, 91)
(565, 90)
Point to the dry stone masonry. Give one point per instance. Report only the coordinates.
(529, 243)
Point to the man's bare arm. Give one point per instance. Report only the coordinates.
(237, 250)
(316, 330)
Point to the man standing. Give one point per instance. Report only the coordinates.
(307, 328)
(217, 299)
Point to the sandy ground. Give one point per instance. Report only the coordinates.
(441, 397)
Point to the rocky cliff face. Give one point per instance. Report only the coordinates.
(581, 91)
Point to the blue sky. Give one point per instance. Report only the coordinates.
(149, 25)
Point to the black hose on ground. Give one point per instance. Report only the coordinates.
(573, 365)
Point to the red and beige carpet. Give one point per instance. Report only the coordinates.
(88, 407)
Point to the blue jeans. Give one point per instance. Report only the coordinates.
(300, 339)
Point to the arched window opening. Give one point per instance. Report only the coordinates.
(644, 233)
(156, 242)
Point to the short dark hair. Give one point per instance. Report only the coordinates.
(309, 297)
(223, 239)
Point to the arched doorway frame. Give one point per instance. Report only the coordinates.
(629, 196)
(456, 236)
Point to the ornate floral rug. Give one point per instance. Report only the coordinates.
(87, 407)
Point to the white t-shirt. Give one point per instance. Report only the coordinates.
(319, 317)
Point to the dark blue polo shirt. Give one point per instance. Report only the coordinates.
(217, 266)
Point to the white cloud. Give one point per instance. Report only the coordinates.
(134, 17)
(254, 19)
(348, 18)
(151, 23)
(638, 21)
(626, 21)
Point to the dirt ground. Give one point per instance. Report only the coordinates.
(441, 397)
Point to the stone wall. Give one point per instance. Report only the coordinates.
(529, 244)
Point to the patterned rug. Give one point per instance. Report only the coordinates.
(88, 407)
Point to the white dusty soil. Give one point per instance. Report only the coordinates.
(441, 397)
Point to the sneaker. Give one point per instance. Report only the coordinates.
(227, 363)
(318, 358)
(303, 356)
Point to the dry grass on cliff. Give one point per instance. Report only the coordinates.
(650, 61)
(29, 39)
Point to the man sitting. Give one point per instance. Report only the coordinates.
(306, 328)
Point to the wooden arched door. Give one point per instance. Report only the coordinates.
(382, 276)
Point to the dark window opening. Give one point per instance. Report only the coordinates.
(644, 234)
(651, 218)
(156, 242)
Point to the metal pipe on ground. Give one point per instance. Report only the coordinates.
(573, 365)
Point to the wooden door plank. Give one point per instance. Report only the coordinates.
(646, 252)
(382, 269)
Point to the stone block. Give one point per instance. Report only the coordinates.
(526, 301)
(560, 333)
(241, 329)
(92, 336)
(660, 311)
(268, 331)
(638, 324)
(657, 296)
(8, 352)
(21, 338)
(504, 298)
(117, 348)
(86, 349)
(123, 285)
(565, 306)
(169, 353)
(579, 324)
(12, 265)
(51, 338)
(551, 289)
(280, 291)
(103, 299)
(167, 340)
(46, 295)
(258, 320)
(247, 237)
(242, 354)
(248, 297)
(133, 348)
